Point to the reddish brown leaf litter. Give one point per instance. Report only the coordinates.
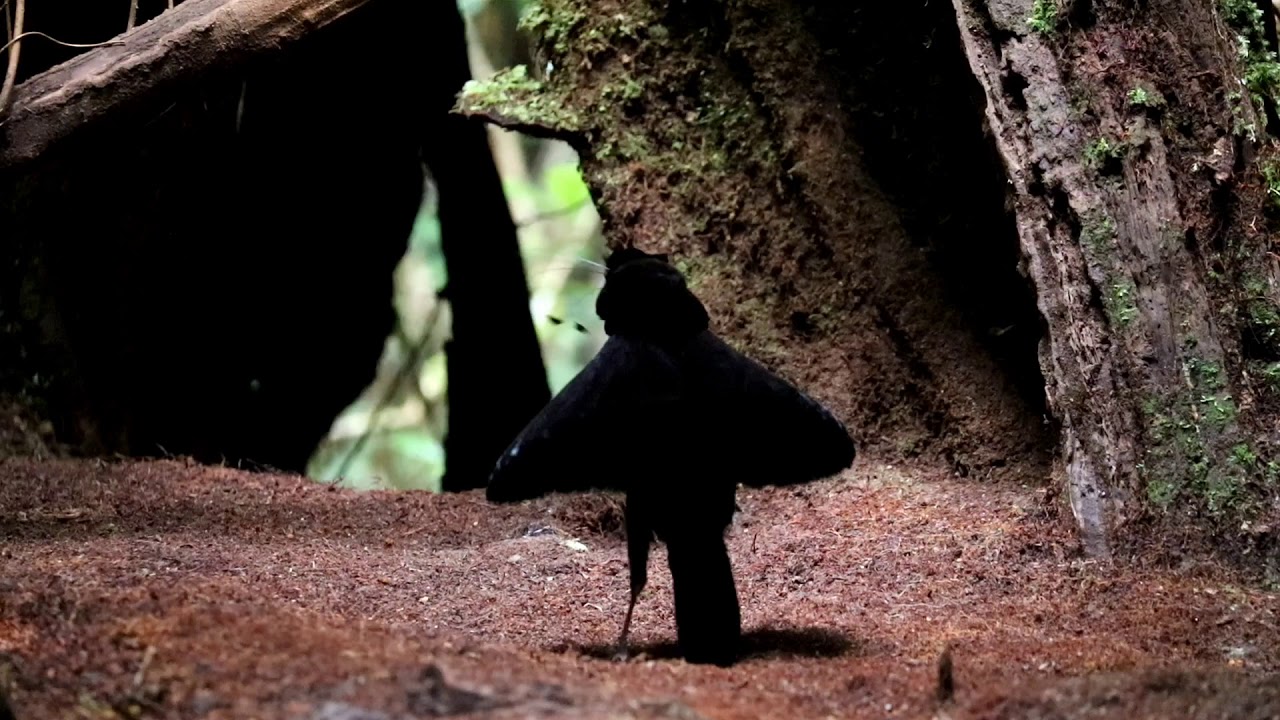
(172, 590)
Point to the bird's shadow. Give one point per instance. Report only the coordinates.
(760, 643)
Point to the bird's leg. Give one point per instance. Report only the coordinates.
(708, 618)
(639, 537)
(621, 652)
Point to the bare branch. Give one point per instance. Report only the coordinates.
(15, 47)
(154, 60)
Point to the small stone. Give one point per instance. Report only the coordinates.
(343, 711)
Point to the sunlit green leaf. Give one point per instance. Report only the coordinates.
(565, 184)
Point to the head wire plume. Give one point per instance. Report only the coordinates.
(597, 267)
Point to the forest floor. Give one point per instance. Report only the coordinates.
(168, 589)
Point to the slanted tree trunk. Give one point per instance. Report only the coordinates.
(196, 38)
(1027, 240)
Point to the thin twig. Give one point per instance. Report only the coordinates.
(415, 531)
(56, 41)
(147, 656)
(15, 47)
(133, 15)
(410, 363)
(416, 387)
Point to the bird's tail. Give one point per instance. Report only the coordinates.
(708, 619)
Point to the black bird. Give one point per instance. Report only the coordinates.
(673, 417)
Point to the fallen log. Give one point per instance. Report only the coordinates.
(175, 47)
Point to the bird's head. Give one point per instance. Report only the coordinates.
(644, 296)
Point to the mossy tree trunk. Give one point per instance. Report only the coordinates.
(708, 130)
(1028, 240)
(1132, 144)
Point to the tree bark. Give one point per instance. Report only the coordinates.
(184, 44)
(707, 129)
(1129, 147)
(749, 136)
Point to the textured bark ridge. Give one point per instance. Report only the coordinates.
(1124, 134)
(711, 130)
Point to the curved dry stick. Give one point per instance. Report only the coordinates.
(417, 352)
(133, 15)
(56, 41)
(156, 56)
(15, 48)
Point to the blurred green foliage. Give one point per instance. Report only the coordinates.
(402, 415)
